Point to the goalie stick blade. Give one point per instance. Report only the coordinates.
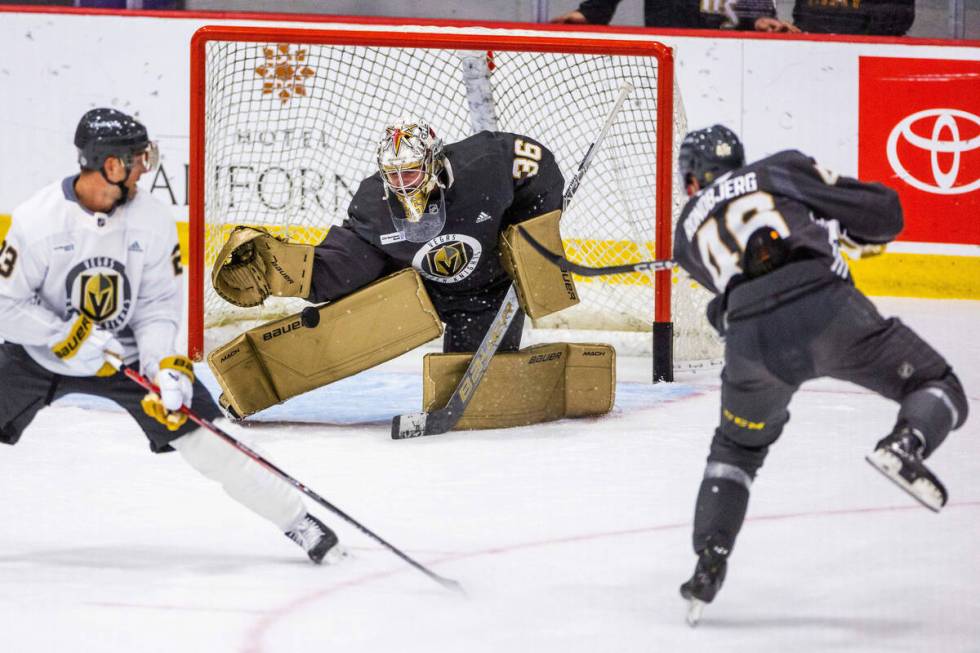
(409, 425)
(586, 271)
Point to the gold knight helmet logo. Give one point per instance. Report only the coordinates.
(448, 259)
(100, 295)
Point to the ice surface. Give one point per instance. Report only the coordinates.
(569, 537)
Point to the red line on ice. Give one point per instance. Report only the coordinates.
(256, 634)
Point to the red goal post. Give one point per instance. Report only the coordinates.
(284, 123)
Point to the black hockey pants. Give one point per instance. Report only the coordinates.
(28, 387)
(772, 347)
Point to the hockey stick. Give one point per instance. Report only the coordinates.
(413, 425)
(586, 271)
(443, 420)
(141, 380)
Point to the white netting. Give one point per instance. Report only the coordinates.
(291, 130)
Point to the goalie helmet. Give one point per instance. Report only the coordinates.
(707, 154)
(410, 159)
(102, 133)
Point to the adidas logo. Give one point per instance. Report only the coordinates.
(483, 217)
(135, 247)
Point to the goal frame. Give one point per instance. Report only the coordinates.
(490, 40)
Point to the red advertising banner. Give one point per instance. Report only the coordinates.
(919, 132)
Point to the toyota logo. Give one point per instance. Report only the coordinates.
(946, 123)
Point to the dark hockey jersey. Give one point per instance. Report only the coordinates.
(498, 179)
(790, 194)
(875, 17)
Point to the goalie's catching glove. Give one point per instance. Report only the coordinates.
(175, 379)
(254, 264)
(84, 348)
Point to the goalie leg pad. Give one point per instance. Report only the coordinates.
(254, 264)
(242, 478)
(542, 287)
(538, 384)
(283, 358)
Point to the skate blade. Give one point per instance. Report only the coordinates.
(694, 609)
(335, 556)
(921, 489)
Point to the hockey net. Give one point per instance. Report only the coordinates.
(285, 125)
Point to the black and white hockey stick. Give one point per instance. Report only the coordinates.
(448, 583)
(587, 271)
(443, 420)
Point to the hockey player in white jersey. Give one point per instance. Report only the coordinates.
(90, 274)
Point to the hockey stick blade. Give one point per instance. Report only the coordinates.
(443, 420)
(586, 271)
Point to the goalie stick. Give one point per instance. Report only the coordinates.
(141, 380)
(443, 420)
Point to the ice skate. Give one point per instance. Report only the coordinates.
(702, 587)
(899, 457)
(319, 542)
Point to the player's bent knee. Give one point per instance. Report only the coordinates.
(208, 454)
(733, 454)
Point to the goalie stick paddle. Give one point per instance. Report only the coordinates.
(141, 380)
(443, 420)
(587, 271)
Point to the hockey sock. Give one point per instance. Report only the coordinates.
(719, 512)
(934, 410)
(242, 478)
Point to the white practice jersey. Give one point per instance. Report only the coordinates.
(122, 270)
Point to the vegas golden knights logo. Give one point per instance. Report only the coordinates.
(448, 259)
(100, 295)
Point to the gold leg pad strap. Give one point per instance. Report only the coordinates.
(542, 287)
(537, 384)
(284, 358)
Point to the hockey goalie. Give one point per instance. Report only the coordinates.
(430, 240)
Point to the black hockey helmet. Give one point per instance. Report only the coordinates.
(706, 154)
(104, 132)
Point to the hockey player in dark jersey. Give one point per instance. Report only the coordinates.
(765, 239)
(441, 209)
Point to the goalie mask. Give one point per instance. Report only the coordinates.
(410, 160)
(707, 154)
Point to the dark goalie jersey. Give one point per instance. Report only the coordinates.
(789, 194)
(499, 179)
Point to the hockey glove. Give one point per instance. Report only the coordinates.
(85, 346)
(856, 250)
(254, 264)
(176, 382)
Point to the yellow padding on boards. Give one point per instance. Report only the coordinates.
(932, 276)
(284, 358)
(918, 275)
(5, 221)
(538, 384)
